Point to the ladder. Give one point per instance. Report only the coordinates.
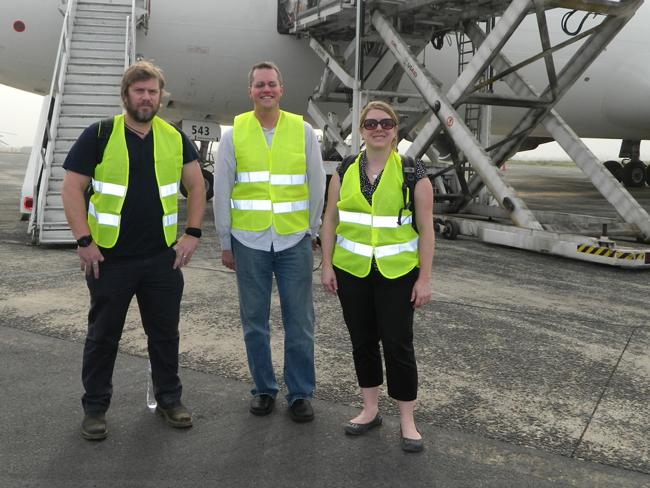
(97, 43)
(369, 46)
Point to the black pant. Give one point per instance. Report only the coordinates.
(158, 289)
(377, 308)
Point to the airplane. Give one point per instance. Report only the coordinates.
(206, 48)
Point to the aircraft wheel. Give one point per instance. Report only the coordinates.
(450, 230)
(615, 168)
(634, 174)
(208, 180)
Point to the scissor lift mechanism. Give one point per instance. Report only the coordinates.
(368, 45)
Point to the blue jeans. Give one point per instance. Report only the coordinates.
(293, 274)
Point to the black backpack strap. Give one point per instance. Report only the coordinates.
(346, 163)
(408, 189)
(104, 130)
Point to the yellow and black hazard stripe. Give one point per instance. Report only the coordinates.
(630, 256)
(608, 252)
(597, 250)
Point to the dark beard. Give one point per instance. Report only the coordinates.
(138, 117)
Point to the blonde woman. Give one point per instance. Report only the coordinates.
(380, 267)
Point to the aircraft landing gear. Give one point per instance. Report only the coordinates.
(615, 168)
(634, 174)
(208, 180)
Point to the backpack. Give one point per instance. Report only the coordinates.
(103, 135)
(408, 187)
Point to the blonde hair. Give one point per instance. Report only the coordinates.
(384, 107)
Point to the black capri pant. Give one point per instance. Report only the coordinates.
(376, 309)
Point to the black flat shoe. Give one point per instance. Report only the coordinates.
(262, 404)
(353, 428)
(411, 445)
(301, 411)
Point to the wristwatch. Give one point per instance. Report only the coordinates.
(193, 231)
(84, 241)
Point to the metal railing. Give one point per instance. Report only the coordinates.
(44, 152)
(129, 39)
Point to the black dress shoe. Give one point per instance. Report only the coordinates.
(301, 411)
(353, 428)
(178, 417)
(262, 404)
(93, 426)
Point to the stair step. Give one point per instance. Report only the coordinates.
(56, 173)
(96, 44)
(87, 37)
(87, 91)
(103, 78)
(101, 17)
(55, 185)
(103, 8)
(100, 31)
(111, 99)
(83, 120)
(92, 68)
(87, 14)
(93, 20)
(56, 237)
(99, 62)
(90, 25)
(92, 110)
(100, 50)
(53, 200)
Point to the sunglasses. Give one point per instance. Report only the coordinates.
(386, 124)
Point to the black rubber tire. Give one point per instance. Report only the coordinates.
(615, 168)
(634, 174)
(450, 230)
(208, 179)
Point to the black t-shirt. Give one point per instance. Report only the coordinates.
(141, 231)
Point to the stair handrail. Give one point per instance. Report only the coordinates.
(44, 152)
(129, 40)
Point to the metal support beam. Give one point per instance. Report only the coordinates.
(444, 109)
(624, 203)
(502, 31)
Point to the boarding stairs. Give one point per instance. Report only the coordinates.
(370, 46)
(97, 43)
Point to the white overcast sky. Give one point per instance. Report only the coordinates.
(20, 112)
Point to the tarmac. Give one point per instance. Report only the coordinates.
(534, 372)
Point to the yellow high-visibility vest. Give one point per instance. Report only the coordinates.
(366, 230)
(111, 180)
(271, 183)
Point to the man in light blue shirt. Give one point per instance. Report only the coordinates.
(256, 256)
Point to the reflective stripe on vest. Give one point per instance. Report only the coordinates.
(376, 221)
(379, 251)
(263, 176)
(271, 182)
(170, 219)
(111, 181)
(109, 188)
(368, 230)
(104, 218)
(251, 204)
